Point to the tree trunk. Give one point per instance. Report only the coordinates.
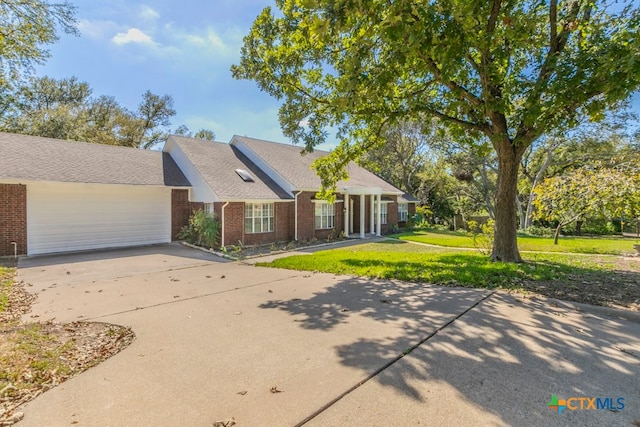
(557, 234)
(505, 245)
(579, 228)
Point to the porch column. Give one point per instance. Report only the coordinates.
(352, 209)
(362, 216)
(379, 216)
(372, 221)
(346, 214)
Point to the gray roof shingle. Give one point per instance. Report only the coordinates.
(296, 167)
(25, 157)
(217, 162)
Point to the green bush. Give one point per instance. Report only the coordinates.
(538, 231)
(482, 235)
(202, 230)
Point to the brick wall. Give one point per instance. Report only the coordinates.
(181, 210)
(307, 219)
(306, 216)
(283, 221)
(13, 218)
(233, 222)
(392, 215)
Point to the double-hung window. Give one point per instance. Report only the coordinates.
(325, 215)
(403, 211)
(383, 212)
(258, 217)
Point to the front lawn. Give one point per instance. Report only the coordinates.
(591, 279)
(584, 245)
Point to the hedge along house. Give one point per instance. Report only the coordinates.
(58, 196)
(264, 192)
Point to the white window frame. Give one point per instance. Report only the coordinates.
(208, 209)
(258, 218)
(403, 211)
(325, 215)
(384, 212)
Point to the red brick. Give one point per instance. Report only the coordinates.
(13, 218)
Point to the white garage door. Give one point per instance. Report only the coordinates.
(74, 217)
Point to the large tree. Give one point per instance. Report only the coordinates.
(66, 109)
(26, 27)
(510, 71)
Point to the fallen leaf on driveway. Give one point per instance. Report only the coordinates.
(242, 393)
(229, 422)
(274, 389)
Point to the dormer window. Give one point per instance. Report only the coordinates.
(246, 176)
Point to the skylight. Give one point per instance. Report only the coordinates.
(246, 176)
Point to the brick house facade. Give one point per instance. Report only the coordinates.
(13, 219)
(231, 177)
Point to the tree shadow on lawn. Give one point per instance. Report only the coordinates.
(506, 356)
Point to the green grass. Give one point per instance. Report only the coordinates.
(570, 244)
(404, 261)
(6, 280)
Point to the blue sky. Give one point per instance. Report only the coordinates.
(183, 49)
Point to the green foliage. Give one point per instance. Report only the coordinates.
(65, 109)
(482, 235)
(202, 230)
(506, 72)
(206, 134)
(25, 28)
(538, 231)
(589, 193)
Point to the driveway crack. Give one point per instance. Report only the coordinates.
(224, 291)
(392, 361)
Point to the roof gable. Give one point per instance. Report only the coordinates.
(296, 167)
(217, 163)
(33, 158)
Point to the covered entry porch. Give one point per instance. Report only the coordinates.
(355, 207)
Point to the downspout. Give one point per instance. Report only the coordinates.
(295, 219)
(222, 225)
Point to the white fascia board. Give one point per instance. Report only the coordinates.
(264, 166)
(118, 184)
(201, 191)
(258, 200)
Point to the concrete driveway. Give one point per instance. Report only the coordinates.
(272, 347)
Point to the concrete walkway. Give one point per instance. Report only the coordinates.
(272, 347)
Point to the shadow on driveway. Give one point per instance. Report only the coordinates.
(505, 357)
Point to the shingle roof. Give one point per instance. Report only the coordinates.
(296, 168)
(217, 163)
(45, 159)
(407, 198)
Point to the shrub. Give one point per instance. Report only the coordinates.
(482, 235)
(538, 231)
(202, 230)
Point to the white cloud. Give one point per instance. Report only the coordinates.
(149, 14)
(133, 35)
(96, 29)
